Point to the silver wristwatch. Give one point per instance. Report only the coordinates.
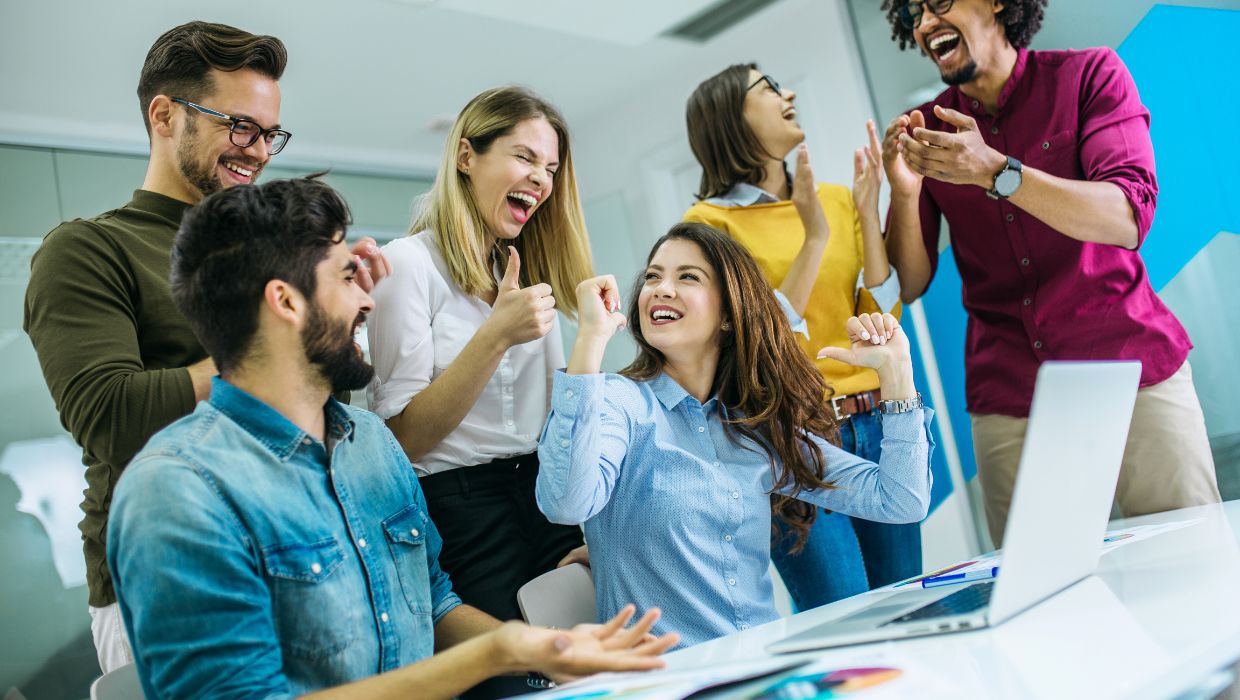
(901, 405)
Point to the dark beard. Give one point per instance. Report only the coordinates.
(965, 75)
(333, 351)
(203, 180)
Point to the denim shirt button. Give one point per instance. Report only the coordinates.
(305, 441)
(414, 532)
(316, 568)
(383, 616)
(731, 582)
(362, 543)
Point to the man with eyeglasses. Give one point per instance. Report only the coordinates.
(119, 359)
(1042, 165)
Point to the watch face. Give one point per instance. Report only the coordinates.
(1007, 182)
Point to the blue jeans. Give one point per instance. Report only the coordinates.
(845, 556)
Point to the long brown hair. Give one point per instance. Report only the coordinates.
(725, 146)
(553, 243)
(773, 393)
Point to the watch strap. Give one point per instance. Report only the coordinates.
(901, 405)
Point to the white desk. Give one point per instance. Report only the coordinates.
(1160, 616)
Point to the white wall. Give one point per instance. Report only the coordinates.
(638, 148)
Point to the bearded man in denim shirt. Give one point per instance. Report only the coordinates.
(275, 542)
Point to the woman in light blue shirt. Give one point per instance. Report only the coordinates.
(674, 464)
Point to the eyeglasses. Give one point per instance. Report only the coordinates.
(244, 132)
(769, 81)
(910, 13)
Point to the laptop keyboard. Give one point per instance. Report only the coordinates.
(965, 600)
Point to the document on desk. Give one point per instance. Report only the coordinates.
(671, 684)
(1124, 536)
(1114, 539)
(874, 675)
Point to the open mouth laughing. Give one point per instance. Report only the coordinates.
(522, 203)
(661, 315)
(943, 45)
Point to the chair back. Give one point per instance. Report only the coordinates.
(560, 598)
(118, 684)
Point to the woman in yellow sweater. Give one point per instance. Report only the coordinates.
(821, 248)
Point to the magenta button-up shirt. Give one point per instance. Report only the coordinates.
(1032, 293)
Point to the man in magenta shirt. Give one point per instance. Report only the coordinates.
(1041, 163)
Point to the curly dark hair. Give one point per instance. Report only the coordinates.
(1021, 20)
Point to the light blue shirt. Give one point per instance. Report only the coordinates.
(886, 295)
(677, 511)
(254, 561)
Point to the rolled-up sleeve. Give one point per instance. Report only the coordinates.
(581, 449)
(897, 489)
(1115, 143)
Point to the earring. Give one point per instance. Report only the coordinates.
(725, 326)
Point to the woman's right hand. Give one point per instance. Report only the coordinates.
(598, 307)
(805, 198)
(521, 315)
(904, 180)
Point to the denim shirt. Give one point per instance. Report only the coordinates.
(254, 561)
(677, 510)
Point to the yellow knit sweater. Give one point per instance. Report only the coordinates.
(773, 234)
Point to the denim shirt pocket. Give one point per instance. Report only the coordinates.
(406, 536)
(311, 599)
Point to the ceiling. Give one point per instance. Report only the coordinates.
(365, 80)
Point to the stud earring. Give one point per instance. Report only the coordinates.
(725, 326)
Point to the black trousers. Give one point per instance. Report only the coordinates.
(494, 540)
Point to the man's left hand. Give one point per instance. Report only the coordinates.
(372, 265)
(962, 158)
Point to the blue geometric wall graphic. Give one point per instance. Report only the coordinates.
(1192, 98)
(1192, 93)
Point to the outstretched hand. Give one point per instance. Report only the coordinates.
(587, 649)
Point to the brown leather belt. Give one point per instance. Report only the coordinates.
(861, 402)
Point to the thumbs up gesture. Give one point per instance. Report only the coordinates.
(521, 315)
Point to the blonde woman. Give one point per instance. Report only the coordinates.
(464, 340)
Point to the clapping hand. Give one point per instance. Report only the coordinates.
(868, 173)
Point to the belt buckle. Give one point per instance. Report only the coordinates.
(835, 407)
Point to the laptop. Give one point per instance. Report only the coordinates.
(1069, 465)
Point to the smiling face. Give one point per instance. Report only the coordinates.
(515, 175)
(336, 314)
(962, 41)
(772, 116)
(205, 156)
(681, 303)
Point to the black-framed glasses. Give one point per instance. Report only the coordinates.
(245, 132)
(769, 81)
(911, 11)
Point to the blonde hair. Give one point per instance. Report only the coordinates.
(553, 244)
